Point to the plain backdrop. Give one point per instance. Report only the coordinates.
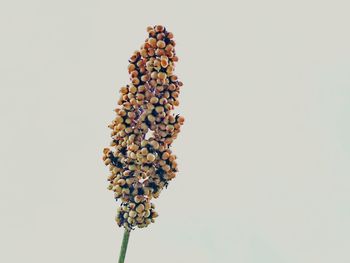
(263, 155)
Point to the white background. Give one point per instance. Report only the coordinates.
(263, 156)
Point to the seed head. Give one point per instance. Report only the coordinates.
(139, 158)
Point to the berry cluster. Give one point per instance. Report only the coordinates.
(139, 159)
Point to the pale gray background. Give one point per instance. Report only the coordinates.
(264, 154)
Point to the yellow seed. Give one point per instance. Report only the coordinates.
(138, 198)
(129, 181)
(144, 151)
(161, 75)
(155, 144)
(133, 89)
(124, 90)
(147, 206)
(156, 63)
(160, 52)
(163, 101)
(154, 214)
(131, 67)
(175, 94)
(121, 182)
(144, 143)
(125, 191)
(132, 214)
(170, 54)
(151, 118)
(161, 44)
(159, 28)
(160, 36)
(165, 155)
(154, 75)
(164, 63)
(147, 213)
(107, 161)
(141, 88)
(146, 190)
(152, 41)
(151, 157)
(170, 35)
(169, 48)
(154, 100)
(117, 189)
(135, 81)
(151, 52)
(133, 147)
(170, 127)
(159, 109)
(140, 208)
(144, 53)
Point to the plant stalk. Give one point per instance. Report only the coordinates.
(124, 246)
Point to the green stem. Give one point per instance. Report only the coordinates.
(124, 246)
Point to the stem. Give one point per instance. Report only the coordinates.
(124, 246)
